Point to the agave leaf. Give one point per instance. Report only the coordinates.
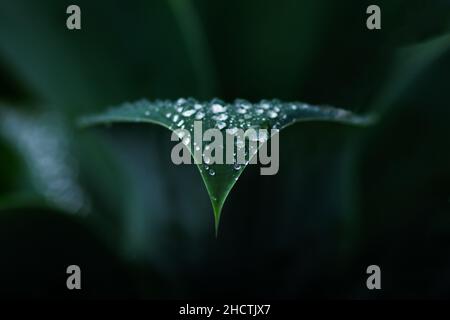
(220, 178)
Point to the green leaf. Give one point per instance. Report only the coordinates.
(220, 178)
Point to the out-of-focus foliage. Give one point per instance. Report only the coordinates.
(343, 198)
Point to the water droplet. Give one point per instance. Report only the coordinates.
(198, 106)
(272, 114)
(241, 110)
(207, 160)
(220, 117)
(180, 123)
(168, 115)
(221, 125)
(199, 115)
(218, 108)
(237, 166)
(147, 113)
(265, 105)
(243, 103)
(175, 118)
(181, 101)
(188, 113)
(259, 111)
(186, 141)
(212, 172)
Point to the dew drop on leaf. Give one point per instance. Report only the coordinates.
(272, 114)
(199, 115)
(181, 101)
(188, 113)
(221, 125)
(220, 117)
(218, 108)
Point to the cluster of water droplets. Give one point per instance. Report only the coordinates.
(241, 114)
(223, 116)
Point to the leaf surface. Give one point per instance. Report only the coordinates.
(219, 179)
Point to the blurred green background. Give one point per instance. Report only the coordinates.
(112, 202)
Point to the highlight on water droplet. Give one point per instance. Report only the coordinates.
(200, 115)
(272, 114)
(188, 113)
(221, 125)
(220, 117)
(218, 108)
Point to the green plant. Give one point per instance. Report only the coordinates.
(219, 179)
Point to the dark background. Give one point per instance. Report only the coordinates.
(111, 201)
